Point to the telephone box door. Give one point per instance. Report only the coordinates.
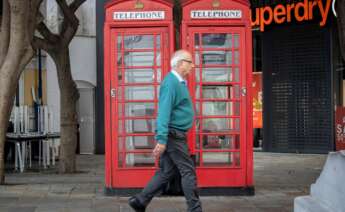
(218, 90)
(139, 60)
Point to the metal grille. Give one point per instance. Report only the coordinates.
(297, 90)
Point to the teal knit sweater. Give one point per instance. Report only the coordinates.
(175, 108)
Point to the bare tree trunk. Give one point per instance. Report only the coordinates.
(68, 112)
(10, 69)
(7, 93)
(5, 30)
(340, 8)
(56, 45)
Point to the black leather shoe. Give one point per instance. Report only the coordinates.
(136, 205)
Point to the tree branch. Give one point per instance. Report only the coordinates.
(70, 23)
(76, 4)
(39, 43)
(46, 33)
(67, 12)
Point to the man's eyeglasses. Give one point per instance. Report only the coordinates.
(188, 61)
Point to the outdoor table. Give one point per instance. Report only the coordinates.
(22, 142)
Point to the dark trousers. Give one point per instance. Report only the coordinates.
(175, 159)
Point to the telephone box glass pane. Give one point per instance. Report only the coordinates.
(120, 151)
(139, 159)
(139, 93)
(216, 74)
(138, 41)
(236, 75)
(139, 109)
(213, 92)
(221, 109)
(141, 75)
(221, 159)
(222, 142)
(139, 142)
(235, 92)
(140, 58)
(140, 126)
(215, 141)
(216, 158)
(237, 57)
(220, 40)
(217, 57)
(220, 124)
(236, 40)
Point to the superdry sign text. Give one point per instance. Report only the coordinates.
(302, 11)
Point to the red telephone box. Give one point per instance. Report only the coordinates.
(138, 43)
(218, 33)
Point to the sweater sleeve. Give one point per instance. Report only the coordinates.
(165, 106)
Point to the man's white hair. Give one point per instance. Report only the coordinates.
(177, 57)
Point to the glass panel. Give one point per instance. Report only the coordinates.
(119, 59)
(237, 57)
(236, 75)
(197, 74)
(197, 108)
(119, 110)
(235, 92)
(213, 92)
(140, 59)
(221, 159)
(139, 142)
(217, 57)
(121, 127)
(197, 125)
(197, 58)
(140, 159)
(236, 40)
(220, 124)
(140, 126)
(221, 108)
(159, 75)
(214, 40)
(139, 93)
(158, 41)
(141, 75)
(119, 42)
(216, 158)
(120, 151)
(216, 75)
(196, 41)
(220, 141)
(197, 143)
(138, 41)
(140, 109)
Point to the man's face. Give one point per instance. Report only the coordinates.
(186, 65)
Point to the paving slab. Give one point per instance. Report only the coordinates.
(279, 178)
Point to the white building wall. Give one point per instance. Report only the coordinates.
(82, 53)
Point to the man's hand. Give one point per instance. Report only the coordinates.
(158, 150)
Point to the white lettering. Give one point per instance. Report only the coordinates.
(216, 14)
(145, 15)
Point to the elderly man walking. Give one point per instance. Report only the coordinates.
(175, 118)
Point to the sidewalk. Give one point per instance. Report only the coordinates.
(279, 178)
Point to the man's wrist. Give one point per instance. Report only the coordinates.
(164, 142)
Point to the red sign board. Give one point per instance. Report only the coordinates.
(257, 99)
(340, 128)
